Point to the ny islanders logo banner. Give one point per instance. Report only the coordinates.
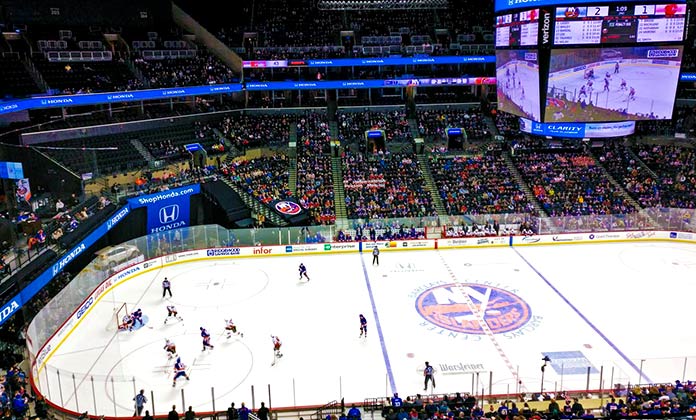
(460, 307)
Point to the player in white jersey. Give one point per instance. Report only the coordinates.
(276, 349)
(172, 313)
(232, 329)
(126, 323)
(632, 94)
(170, 347)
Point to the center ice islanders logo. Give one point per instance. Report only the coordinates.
(288, 207)
(449, 307)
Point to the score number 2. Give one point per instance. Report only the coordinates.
(600, 11)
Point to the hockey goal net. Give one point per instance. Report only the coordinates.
(120, 310)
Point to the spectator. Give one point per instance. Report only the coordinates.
(190, 414)
(243, 412)
(263, 412)
(173, 415)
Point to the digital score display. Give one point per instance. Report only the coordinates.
(517, 29)
(619, 24)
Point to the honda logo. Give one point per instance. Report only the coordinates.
(169, 214)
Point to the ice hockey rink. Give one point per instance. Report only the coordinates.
(614, 308)
(525, 90)
(641, 76)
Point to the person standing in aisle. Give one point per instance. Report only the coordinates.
(166, 287)
(375, 255)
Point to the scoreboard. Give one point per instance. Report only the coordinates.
(593, 60)
(517, 29)
(619, 24)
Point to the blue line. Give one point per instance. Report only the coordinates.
(577, 311)
(390, 374)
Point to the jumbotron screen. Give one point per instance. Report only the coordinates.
(612, 84)
(619, 24)
(517, 82)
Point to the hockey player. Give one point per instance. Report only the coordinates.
(632, 94)
(231, 329)
(303, 271)
(276, 349)
(363, 326)
(583, 92)
(623, 84)
(137, 317)
(616, 68)
(170, 347)
(172, 313)
(206, 339)
(126, 323)
(179, 371)
(606, 85)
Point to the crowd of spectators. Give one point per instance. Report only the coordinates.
(675, 167)
(633, 177)
(203, 69)
(314, 171)
(264, 178)
(245, 131)
(385, 185)
(352, 125)
(508, 125)
(479, 184)
(570, 184)
(433, 123)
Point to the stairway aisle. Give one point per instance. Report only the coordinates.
(339, 191)
(430, 183)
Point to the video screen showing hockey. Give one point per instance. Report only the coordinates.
(517, 73)
(612, 84)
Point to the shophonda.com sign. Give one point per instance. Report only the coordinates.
(167, 210)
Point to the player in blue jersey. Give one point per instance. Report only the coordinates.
(206, 339)
(179, 371)
(172, 313)
(303, 271)
(137, 317)
(363, 326)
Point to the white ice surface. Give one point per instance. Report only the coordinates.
(619, 304)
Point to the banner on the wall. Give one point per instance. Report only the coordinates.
(167, 210)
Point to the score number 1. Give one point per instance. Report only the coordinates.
(644, 10)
